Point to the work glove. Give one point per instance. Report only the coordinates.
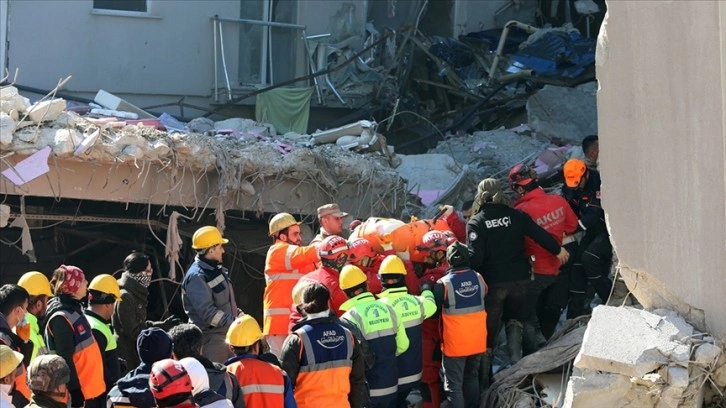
(426, 285)
(448, 210)
(167, 323)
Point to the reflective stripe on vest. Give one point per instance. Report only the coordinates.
(325, 365)
(105, 329)
(276, 311)
(378, 323)
(412, 312)
(262, 384)
(463, 314)
(87, 357)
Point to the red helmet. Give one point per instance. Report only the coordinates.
(521, 175)
(450, 238)
(168, 379)
(360, 248)
(434, 241)
(332, 247)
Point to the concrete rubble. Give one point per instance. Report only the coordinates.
(637, 358)
(567, 114)
(244, 149)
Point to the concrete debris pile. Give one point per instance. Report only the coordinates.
(636, 358)
(241, 151)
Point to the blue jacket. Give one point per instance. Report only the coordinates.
(208, 297)
(132, 390)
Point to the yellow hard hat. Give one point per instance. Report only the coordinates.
(392, 265)
(106, 283)
(281, 221)
(207, 237)
(36, 284)
(351, 276)
(243, 332)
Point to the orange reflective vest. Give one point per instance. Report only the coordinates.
(463, 316)
(325, 366)
(284, 266)
(262, 384)
(20, 383)
(86, 356)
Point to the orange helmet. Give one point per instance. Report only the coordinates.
(333, 252)
(359, 249)
(574, 170)
(169, 381)
(521, 175)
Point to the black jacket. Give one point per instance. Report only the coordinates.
(495, 236)
(132, 390)
(585, 202)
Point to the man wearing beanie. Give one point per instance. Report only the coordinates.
(103, 293)
(129, 316)
(48, 377)
(460, 298)
(132, 390)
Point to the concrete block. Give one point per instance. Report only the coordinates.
(4, 215)
(47, 111)
(627, 341)
(596, 390)
(706, 354)
(8, 92)
(7, 129)
(568, 114)
(673, 325)
(428, 175)
(66, 141)
(719, 374)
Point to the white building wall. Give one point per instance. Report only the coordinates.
(661, 108)
(169, 51)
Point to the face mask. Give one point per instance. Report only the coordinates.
(143, 278)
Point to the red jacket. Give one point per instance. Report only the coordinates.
(329, 277)
(552, 213)
(457, 225)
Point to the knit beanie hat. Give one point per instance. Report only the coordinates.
(457, 254)
(198, 374)
(72, 280)
(489, 191)
(154, 344)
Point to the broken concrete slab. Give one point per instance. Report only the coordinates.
(7, 128)
(566, 114)
(706, 354)
(113, 102)
(596, 390)
(351, 129)
(428, 175)
(47, 111)
(628, 341)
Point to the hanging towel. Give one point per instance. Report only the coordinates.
(288, 109)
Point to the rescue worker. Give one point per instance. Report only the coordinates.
(132, 390)
(548, 292)
(496, 240)
(13, 309)
(129, 315)
(411, 312)
(322, 358)
(455, 221)
(433, 244)
(48, 377)
(382, 329)
(38, 287)
(333, 253)
(10, 361)
(103, 293)
(207, 292)
(591, 150)
(68, 334)
(594, 257)
(331, 222)
(263, 384)
(285, 264)
(202, 396)
(361, 254)
(170, 385)
(187, 339)
(460, 296)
